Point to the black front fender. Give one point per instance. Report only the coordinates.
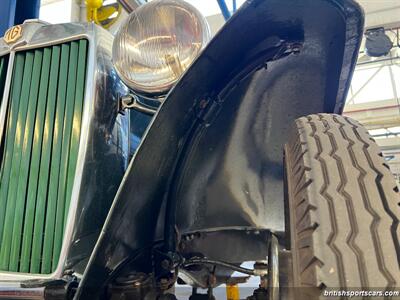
(214, 149)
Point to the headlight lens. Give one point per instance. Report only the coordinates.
(157, 43)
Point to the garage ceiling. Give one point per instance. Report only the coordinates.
(378, 12)
(46, 2)
(371, 6)
(381, 12)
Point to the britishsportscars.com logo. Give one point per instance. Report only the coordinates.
(360, 293)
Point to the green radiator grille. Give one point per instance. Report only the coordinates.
(39, 155)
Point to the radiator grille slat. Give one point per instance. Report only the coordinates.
(65, 142)
(40, 155)
(40, 214)
(11, 174)
(21, 180)
(55, 161)
(34, 162)
(77, 119)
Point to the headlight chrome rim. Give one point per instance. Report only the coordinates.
(187, 34)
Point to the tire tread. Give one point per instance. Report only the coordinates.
(343, 204)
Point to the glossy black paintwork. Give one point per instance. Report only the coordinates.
(223, 169)
(108, 155)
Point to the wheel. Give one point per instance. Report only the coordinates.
(344, 208)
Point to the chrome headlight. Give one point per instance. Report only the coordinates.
(157, 43)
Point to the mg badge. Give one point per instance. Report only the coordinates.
(13, 34)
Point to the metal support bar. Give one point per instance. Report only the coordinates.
(366, 83)
(224, 9)
(394, 86)
(273, 269)
(133, 102)
(205, 261)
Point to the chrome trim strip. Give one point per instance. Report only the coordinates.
(13, 290)
(52, 43)
(87, 113)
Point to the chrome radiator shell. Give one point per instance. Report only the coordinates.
(103, 153)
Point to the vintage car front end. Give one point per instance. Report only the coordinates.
(64, 148)
(228, 171)
(72, 116)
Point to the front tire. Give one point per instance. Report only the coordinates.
(344, 208)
